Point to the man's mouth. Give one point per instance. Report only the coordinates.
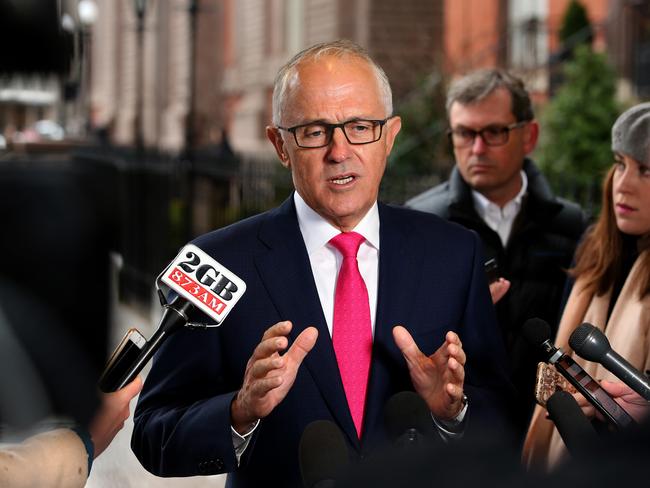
(342, 180)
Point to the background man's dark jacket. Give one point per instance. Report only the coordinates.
(540, 249)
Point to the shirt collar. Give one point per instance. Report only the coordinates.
(317, 232)
(482, 204)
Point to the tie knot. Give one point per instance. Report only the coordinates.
(348, 243)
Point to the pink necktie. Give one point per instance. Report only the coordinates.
(352, 334)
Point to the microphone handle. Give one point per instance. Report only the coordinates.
(625, 372)
(172, 319)
(147, 353)
(592, 391)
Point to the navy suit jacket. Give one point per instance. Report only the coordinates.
(431, 280)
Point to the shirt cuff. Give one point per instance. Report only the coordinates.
(453, 428)
(240, 442)
(84, 435)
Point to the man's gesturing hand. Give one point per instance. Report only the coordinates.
(438, 378)
(269, 375)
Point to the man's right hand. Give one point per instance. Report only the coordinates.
(269, 375)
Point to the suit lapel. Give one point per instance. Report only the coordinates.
(399, 258)
(286, 273)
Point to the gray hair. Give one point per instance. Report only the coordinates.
(479, 84)
(341, 48)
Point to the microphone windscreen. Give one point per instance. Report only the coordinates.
(589, 342)
(536, 331)
(323, 454)
(575, 429)
(406, 410)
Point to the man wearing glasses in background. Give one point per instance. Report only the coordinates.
(348, 302)
(497, 191)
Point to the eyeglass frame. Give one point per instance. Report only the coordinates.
(506, 129)
(332, 127)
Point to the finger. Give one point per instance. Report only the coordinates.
(265, 366)
(259, 388)
(616, 388)
(131, 389)
(280, 329)
(498, 289)
(303, 344)
(406, 344)
(589, 411)
(457, 352)
(452, 338)
(269, 347)
(457, 371)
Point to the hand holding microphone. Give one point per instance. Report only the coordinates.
(626, 397)
(590, 343)
(633, 403)
(198, 282)
(538, 333)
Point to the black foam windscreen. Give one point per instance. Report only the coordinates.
(536, 331)
(323, 453)
(406, 410)
(575, 429)
(589, 342)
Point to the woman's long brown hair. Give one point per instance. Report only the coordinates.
(599, 258)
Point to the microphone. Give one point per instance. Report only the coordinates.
(322, 454)
(198, 282)
(575, 429)
(591, 344)
(408, 420)
(538, 333)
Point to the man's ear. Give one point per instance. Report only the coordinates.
(393, 126)
(273, 134)
(531, 135)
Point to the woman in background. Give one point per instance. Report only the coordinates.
(612, 274)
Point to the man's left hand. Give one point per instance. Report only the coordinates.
(438, 378)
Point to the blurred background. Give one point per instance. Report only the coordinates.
(155, 110)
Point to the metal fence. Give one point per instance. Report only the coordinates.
(160, 202)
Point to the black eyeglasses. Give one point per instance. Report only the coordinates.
(319, 134)
(492, 135)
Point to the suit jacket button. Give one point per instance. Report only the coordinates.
(218, 464)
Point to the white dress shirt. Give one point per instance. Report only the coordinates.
(500, 219)
(325, 259)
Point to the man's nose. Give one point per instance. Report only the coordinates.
(478, 144)
(339, 149)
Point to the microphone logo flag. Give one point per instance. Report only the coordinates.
(207, 284)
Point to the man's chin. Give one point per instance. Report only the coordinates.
(481, 182)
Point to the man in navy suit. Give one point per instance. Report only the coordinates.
(237, 398)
